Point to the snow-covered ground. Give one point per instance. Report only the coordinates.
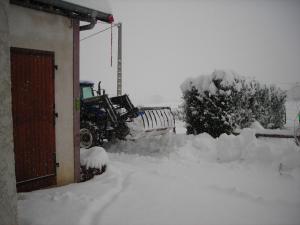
(179, 179)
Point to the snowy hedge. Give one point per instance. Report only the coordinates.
(223, 101)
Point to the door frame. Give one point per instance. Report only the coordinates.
(76, 99)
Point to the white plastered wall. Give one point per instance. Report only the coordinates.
(39, 30)
(8, 195)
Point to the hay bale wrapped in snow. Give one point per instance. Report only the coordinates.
(93, 162)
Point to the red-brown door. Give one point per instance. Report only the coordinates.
(32, 77)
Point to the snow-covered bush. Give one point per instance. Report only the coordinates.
(220, 102)
(93, 162)
(268, 106)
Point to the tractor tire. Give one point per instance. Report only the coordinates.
(88, 135)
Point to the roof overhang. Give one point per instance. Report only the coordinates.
(66, 9)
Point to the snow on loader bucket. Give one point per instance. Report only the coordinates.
(152, 121)
(104, 119)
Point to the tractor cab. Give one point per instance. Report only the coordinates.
(86, 89)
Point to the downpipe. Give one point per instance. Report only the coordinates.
(89, 26)
(93, 21)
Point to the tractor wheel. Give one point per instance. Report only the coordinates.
(88, 136)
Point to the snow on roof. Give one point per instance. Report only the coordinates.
(100, 5)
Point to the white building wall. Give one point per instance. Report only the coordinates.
(8, 196)
(38, 30)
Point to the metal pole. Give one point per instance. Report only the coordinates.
(119, 70)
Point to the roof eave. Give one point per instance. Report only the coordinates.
(67, 9)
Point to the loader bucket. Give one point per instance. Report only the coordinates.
(152, 121)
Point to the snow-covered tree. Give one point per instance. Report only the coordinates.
(220, 102)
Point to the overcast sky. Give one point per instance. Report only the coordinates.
(165, 41)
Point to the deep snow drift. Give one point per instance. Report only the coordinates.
(179, 179)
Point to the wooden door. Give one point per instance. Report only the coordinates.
(32, 77)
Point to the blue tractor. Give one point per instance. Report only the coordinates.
(103, 118)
